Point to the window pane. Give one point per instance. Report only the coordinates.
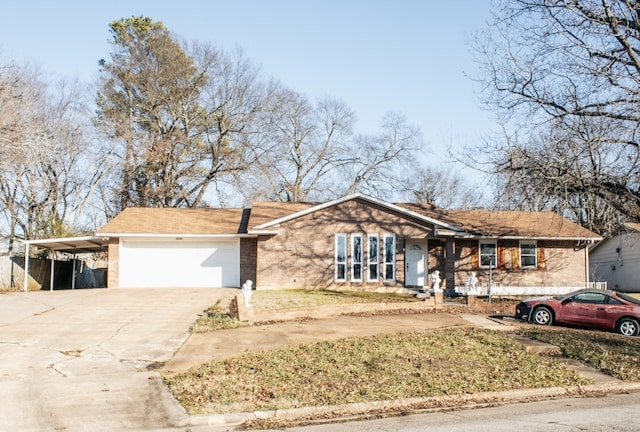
(373, 257)
(488, 254)
(389, 257)
(357, 249)
(389, 250)
(373, 249)
(357, 271)
(528, 254)
(373, 272)
(356, 257)
(341, 252)
(341, 257)
(388, 272)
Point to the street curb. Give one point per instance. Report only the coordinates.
(413, 405)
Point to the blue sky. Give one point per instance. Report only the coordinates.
(408, 56)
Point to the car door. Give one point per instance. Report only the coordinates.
(582, 308)
(607, 315)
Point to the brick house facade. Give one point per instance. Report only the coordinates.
(356, 243)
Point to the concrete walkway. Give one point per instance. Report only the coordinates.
(204, 347)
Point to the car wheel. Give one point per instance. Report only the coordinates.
(542, 315)
(628, 327)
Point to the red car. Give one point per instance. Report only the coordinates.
(601, 309)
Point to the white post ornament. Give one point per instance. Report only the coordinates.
(435, 281)
(247, 291)
(472, 283)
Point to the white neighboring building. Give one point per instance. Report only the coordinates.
(616, 260)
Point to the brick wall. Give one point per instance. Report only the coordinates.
(302, 254)
(248, 259)
(560, 264)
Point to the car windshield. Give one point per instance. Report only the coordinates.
(629, 298)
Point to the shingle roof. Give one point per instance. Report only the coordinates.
(185, 221)
(263, 212)
(633, 226)
(500, 223)
(210, 221)
(519, 224)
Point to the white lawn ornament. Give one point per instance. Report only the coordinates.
(435, 280)
(472, 283)
(247, 291)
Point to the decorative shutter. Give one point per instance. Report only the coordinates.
(515, 256)
(475, 257)
(541, 263)
(501, 255)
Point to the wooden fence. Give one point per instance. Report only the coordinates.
(12, 274)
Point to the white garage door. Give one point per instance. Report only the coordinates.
(179, 263)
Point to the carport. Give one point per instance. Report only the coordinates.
(70, 245)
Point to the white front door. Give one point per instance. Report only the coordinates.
(415, 256)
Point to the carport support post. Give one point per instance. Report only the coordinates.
(53, 265)
(26, 266)
(73, 273)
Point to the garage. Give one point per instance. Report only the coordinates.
(179, 262)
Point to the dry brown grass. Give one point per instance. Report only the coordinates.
(443, 362)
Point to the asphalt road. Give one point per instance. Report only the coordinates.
(603, 414)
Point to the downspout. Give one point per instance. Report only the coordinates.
(73, 273)
(53, 265)
(586, 265)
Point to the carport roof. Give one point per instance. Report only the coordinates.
(73, 245)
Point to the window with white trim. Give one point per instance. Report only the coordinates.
(356, 257)
(374, 259)
(390, 257)
(488, 253)
(341, 257)
(528, 254)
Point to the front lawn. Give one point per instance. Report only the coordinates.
(442, 362)
(613, 354)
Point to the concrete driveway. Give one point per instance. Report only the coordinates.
(82, 360)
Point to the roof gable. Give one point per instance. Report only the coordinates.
(308, 208)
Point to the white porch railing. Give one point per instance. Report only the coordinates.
(498, 289)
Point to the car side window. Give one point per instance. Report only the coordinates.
(611, 300)
(591, 298)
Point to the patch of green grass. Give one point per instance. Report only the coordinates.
(452, 361)
(613, 354)
(216, 318)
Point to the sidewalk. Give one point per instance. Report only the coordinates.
(203, 347)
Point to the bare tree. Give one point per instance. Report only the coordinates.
(442, 187)
(380, 162)
(179, 114)
(44, 183)
(305, 145)
(564, 77)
